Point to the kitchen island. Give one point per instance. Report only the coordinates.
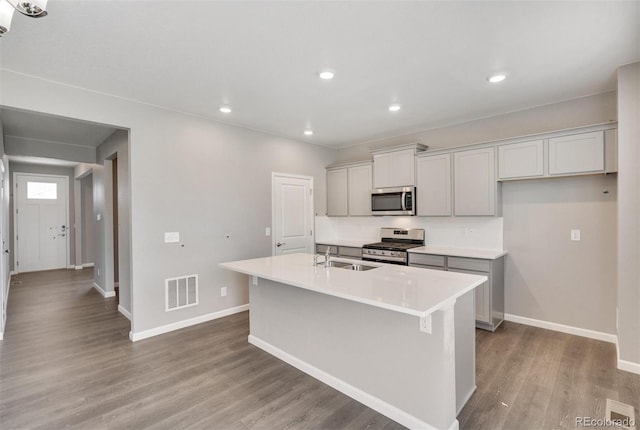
(398, 339)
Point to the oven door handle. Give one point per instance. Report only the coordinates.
(404, 200)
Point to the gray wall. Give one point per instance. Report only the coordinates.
(4, 232)
(629, 214)
(116, 145)
(548, 277)
(46, 170)
(599, 108)
(88, 219)
(198, 177)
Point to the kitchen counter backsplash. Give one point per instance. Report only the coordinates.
(471, 232)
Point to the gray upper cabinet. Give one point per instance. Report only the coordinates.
(349, 190)
(395, 167)
(337, 192)
(521, 160)
(475, 185)
(433, 185)
(359, 190)
(578, 153)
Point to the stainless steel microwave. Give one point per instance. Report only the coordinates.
(393, 201)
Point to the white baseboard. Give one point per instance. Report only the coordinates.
(105, 294)
(124, 312)
(71, 267)
(629, 366)
(87, 265)
(78, 267)
(186, 323)
(597, 335)
(1, 335)
(13, 272)
(367, 399)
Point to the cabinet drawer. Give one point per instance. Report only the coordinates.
(469, 264)
(426, 259)
(424, 266)
(321, 249)
(348, 251)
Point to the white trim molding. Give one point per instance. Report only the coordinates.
(629, 366)
(597, 335)
(124, 312)
(103, 293)
(83, 266)
(366, 399)
(186, 323)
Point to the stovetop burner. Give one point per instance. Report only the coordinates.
(392, 246)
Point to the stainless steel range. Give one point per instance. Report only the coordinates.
(393, 245)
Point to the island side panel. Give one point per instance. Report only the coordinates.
(378, 351)
(465, 331)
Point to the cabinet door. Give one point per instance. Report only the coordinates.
(482, 296)
(383, 170)
(433, 185)
(359, 194)
(474, 182)
(578, 153)
(521, 160)
(337, 192)
(404, 167)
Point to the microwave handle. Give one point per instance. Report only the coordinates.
(404, 200)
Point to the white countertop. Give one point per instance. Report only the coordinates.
(346, 242)
(405, 289)
(485, 254)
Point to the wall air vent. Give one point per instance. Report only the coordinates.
(181, 292)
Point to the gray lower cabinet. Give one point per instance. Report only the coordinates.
(340, 251)
(489, 297)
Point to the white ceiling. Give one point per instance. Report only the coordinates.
(262, 58)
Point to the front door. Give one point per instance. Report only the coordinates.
(41, 222)
(293, 214)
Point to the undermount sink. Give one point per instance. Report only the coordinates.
(351, 266)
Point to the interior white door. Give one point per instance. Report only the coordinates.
(41, 222)
(292, 214)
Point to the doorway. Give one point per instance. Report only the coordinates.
(293, 213)
(114, 197)
(41, 222)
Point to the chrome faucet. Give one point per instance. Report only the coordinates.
(327, 258)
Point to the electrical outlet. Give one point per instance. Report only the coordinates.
(223, 291)
(172, 237)
(575, 235)
(267, 232)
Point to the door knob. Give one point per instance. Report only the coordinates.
(280, 244)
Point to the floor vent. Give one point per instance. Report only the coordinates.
(181, 292)
(620, 415)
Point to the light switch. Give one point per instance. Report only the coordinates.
(575, 234)
(267, 231)
(172, 237)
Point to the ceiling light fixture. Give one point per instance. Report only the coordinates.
(32, 9)
(498, 77)
(394, 107)
(225, 109)
(308, 132)
(327, 74)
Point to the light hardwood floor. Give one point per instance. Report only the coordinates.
(66, 362)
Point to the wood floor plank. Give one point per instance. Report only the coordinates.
(66, 362)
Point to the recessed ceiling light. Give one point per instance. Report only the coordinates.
(327, 74)
(308, 132)
(498, 77)
(225, 109)
(394, 107)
